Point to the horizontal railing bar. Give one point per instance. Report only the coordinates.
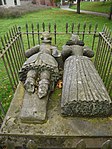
(8, 46)
(106, 39)
(61, 33)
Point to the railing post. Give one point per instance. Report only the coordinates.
(27, 36)
(94, 36)
(38, 33)
(55, 32)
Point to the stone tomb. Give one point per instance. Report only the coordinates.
(58, 131)
(83, 93)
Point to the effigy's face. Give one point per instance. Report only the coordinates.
(46, 38)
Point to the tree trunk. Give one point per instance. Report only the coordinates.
(110, 14)
(78, 6)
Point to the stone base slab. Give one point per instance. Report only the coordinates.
(58, 131)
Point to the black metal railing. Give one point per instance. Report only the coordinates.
(11, 59)
(103, 58)
(12, 54)
(33, 33)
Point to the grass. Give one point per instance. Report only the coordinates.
(103, 7)
(52, 16)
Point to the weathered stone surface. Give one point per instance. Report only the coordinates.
(32, 51)
(33, 108)
(83, 91)
(58, 132)
(71, 50)
(87, 51)
(81, 145)
(76, 47)
(74, 40)
(39, 74)
(107, 144)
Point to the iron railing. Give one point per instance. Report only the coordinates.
(12, 54)
(103, 58)
(11, 59)
(33, 32)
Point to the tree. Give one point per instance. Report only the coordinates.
(78, 6)
(110, 14)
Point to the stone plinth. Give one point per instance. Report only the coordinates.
(57, 132)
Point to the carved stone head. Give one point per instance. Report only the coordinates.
(46, 37)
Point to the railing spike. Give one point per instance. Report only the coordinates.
(103, 28)
(43, 26)
(72, 28)
(55, 32)
(14, 29)
(96, 26)
(26, 27)
(83, 33)
(27, 36)
(66, 28)
(33, 37)
(3, 44)
(49, 27)
(84, 26)
(109, 33)
(90, 26)
(78, 28)
(8, 38)
(37, 26)
(5, 39)
(78, 25)
(10, 34)
(38, 33)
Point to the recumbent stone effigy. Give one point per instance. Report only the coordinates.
(83, 92)
(39, 74)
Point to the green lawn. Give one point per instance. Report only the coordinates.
(48, 16)
(103, 7)
(53, 16)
